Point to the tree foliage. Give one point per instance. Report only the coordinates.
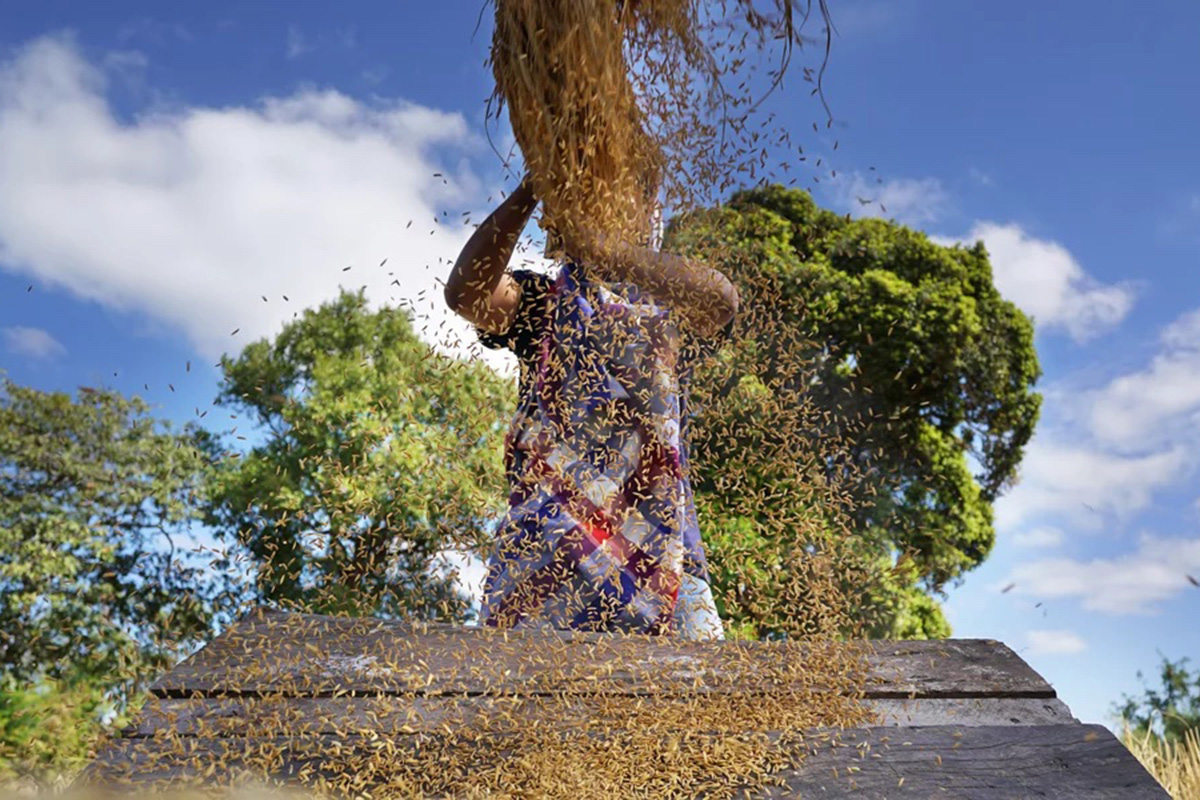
(1170, 710)
(379, 455)
(49, 729)
(913, 363)
(91, 585)
(95, 598)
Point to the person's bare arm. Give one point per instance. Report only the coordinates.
(702, 295)
(480, 289)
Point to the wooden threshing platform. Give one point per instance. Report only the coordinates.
(959, 718)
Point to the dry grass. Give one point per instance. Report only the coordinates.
(1175, 766)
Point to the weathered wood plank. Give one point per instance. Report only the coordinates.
(316, 655)
(390, 714)
(1056, 761)
(972, 711)
(983, 763)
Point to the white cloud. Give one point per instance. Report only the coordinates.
(1152, 402)
(1055, 643)
(189, 215)
(1084, 482)
(1183, 333)
(910, 201)
(1045, 281)
(1040, 537)
(1110, 449)
(1158, 404)
(31, 342)
(1129, 584)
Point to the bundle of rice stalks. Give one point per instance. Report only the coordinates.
(561, 69)
(612, 102)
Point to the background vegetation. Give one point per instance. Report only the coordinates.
(377, 455)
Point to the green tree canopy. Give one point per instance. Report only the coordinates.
(95, 596)
(913, 361)
(379, 455)
(92, 587)
(1170, 710)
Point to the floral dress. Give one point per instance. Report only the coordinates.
(601, 531)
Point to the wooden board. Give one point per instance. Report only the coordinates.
(387, 714)
(1056, 761)
(313, 655)
(974, 711)
(962, 718)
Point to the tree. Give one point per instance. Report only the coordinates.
(913, 361)
(380, 454)
(49, 728)
(1170, 711)
(91, 586)
(94, 597)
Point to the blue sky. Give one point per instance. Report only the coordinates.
(162, 171)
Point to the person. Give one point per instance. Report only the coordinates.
(601, 531)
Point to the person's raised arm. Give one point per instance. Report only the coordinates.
(479, 288)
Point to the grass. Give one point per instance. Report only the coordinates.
(1175, 766)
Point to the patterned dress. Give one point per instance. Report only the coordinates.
(601, 531)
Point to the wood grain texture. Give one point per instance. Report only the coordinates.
(973, 711)
(389, 714)
(312, 655)
(1053, 761)
(982, 763)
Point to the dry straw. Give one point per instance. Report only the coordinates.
(613, 102)
(561, 69)
(1175, 764)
